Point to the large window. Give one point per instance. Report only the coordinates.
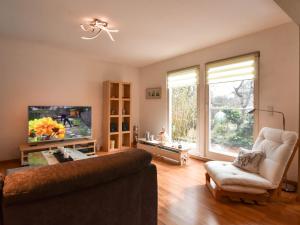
(231, 95)
(182, 91)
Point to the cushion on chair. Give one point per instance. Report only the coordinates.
(249, 160)
(240, 188)
(224, 174)
(278, 146)
(243, 189)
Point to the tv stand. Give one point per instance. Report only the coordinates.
(87, 146)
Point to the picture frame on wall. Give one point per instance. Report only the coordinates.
(153, 93)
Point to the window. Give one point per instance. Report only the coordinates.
(182, 90)
(231, 94)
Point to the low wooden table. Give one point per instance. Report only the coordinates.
(87, 145)
(180, 155)
(44, 158)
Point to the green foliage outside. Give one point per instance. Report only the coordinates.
(234, 130)
(230, 124)
(184, 113)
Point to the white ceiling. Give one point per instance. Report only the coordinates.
(150, 30)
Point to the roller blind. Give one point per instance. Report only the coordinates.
(234, 69)
(185, 77)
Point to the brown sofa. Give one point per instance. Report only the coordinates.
(117, 189)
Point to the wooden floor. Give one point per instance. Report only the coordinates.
(185, 200)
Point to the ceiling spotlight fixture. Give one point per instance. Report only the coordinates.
(95, 27)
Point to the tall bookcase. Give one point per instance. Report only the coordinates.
(117, 132)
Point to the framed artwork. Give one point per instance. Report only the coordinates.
(153, 93)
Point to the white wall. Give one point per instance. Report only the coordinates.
(34, 74)
(278, 80)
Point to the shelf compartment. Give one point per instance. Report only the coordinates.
(126, 91)
(114, 142)
(114, 107)
(87, 147)
(126, 140)
(114, 90)
(126, 124)
(125, 107)
(114, 124)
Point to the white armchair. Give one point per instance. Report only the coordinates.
(225, 179)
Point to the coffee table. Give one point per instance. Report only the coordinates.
(44, 158)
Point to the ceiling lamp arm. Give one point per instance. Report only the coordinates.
(95, 27)
(93, 37)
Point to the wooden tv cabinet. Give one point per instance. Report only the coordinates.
(87, 146)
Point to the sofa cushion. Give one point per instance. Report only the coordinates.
(224, 173)
(38, 183)
(277, 146)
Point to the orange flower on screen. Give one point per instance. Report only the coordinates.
(47, 128)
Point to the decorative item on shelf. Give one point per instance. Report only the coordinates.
(147, 136)
(123, 111)
(112, 144)
(153, 93)
(125, 126)
(113, 127)
(163, 136)
(113, 112)
(135, 135)
(95, 26)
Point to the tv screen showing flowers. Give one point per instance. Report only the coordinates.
(53, 123)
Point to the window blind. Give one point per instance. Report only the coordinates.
(235, 69)
(185, 77)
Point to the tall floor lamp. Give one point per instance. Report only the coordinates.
(271, 111)
(285, 185)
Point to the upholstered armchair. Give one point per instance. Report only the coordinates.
(279, 148)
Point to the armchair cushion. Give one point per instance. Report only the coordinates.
(278, 146)
(243, 189)
(224, 174)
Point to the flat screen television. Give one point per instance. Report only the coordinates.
(55, 123)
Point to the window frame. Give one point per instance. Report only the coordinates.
(219, 156)
(169, 124)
